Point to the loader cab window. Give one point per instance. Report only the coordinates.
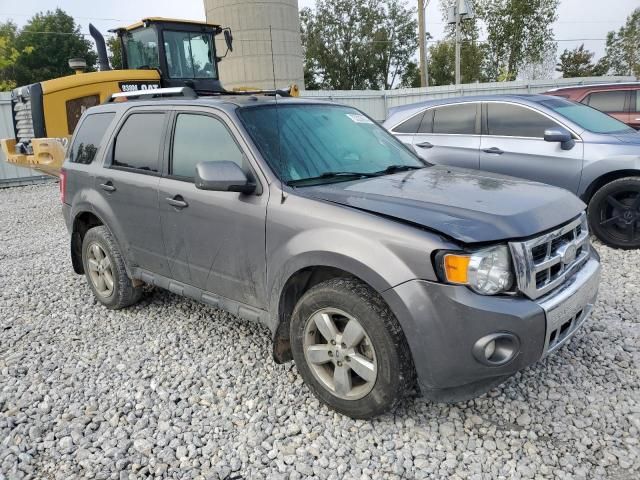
(141, 47)
(190, 54)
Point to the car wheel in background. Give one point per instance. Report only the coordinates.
(105, 270)
(614, 213)
(350, 349)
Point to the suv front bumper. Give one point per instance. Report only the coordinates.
(443, 323)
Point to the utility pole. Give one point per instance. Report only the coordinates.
(422, 43)
(460, 11)
(457, 44)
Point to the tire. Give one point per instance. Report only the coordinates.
(101, 258)
(614, 213)
(381, 358)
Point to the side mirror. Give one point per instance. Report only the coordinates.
(561, 135)
(228, 39)
(222, 176)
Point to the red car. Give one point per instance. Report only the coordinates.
(620, 100)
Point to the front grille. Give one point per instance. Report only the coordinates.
(544, 263)
(24, 121)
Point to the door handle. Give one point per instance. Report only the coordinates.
(177, 202)
(494, 150)
(108, 186)
(424, 145)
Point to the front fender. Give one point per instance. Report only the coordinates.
(370, 260)
(624, 161)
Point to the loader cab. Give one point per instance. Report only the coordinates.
(183, 52)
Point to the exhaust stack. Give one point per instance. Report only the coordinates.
(103, 59)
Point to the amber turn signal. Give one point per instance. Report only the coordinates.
(456, 267)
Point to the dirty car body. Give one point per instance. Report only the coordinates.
(257, 252)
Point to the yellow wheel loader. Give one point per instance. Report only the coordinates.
(156, 53)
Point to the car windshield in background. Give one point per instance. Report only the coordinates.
(588, 118)
(324, 143)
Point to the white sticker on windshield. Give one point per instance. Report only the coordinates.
(358, 118)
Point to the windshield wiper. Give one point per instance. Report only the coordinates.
(330, 175)
(395, 169)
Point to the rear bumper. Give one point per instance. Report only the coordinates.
(443, 324)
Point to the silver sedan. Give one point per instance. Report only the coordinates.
(541, 138)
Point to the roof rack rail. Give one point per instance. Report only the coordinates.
(185, 92)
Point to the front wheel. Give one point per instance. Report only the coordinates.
(614, 213)
(350, 349)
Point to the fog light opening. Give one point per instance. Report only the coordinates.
(496, 349)
(490, 349)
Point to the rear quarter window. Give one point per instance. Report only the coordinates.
(139, 141)
(89, 137)
(607, 101)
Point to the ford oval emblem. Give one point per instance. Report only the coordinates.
(569, 254)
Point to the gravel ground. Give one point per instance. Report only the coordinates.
(173, 388)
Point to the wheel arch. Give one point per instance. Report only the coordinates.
(602, 180)
(83, 221)
(295, 285)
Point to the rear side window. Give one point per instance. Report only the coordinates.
(611, 101)
(515, 121)
(89, 137)
(410, 126)
(138, 142)
(460, 119)
(200, 138)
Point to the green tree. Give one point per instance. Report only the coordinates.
(622, 54)
(396, 41)
(543, 68)
(8, 55)
(441, 67)
(442, 63)
(359, 44)
(519, 32)
(54, 38)
(410, 76)
(442, 55)
(115, 52)
(578, 63)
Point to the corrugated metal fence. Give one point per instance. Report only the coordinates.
(376, 103)
(11, 175)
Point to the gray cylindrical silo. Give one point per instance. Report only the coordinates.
(250, 62)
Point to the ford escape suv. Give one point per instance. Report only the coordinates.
(376, 272)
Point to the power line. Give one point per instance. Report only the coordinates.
(81, 18)
(293, 41)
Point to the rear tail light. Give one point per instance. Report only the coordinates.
(63, 185)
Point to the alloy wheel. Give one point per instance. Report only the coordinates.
(340, 354)
(100, 270)
(620, 216)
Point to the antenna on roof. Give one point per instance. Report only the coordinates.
(275, 96)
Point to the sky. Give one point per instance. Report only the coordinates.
(579, 21)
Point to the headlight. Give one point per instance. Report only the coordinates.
(487, 271)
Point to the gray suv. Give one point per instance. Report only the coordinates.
(377, 273)
(541, 138)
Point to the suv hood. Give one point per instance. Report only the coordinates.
(466, 205)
